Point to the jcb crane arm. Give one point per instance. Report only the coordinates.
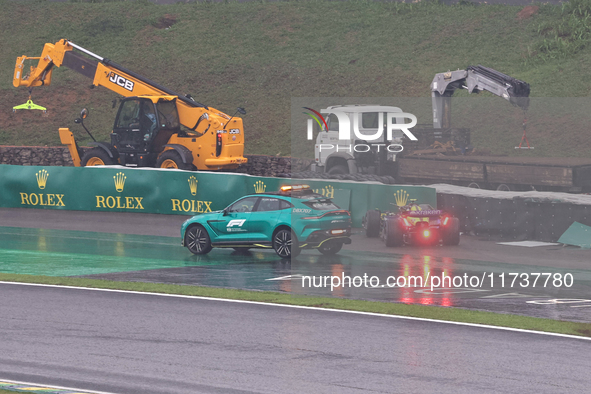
(216, 140)
(106, 73)
(474, 79)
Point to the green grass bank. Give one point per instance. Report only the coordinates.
(259, 55)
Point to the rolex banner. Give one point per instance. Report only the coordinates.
(151, 190)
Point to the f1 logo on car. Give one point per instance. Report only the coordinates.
(236, 222)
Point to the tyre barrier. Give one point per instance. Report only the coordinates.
(385, 179)
(531, 216)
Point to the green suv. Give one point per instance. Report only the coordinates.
(288, 221)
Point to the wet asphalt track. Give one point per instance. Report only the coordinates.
(151, 344)
(59, 243)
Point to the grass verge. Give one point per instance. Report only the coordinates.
(387, 308)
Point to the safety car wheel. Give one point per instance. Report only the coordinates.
(451, 233)
(197, 240)
(285, 244)
(371, 223)
(96, 157)
(393, 234)
(330, 248)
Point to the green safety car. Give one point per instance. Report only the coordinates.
(292, 219)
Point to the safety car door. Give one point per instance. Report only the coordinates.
(264, 218)
(232, 225)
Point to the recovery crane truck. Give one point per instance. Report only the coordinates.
(341, 159)
(147, 130)
(488, 172)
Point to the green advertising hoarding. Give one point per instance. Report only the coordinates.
(148, 190)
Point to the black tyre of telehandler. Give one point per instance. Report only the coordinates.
(172, 159)
(96, 157)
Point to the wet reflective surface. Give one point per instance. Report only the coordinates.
(395, 277)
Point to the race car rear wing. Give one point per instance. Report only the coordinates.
(422, 214)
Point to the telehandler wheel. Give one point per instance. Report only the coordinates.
(96, 157)
(171, 159)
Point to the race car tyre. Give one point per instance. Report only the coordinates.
(286, 244)
(371, 223)
(96, 157)
(172, 159)
(330, 248)
(336, 170)
(451, 233)
(197, 240)
(393, 234)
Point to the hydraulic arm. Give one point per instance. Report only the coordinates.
(104, 72)
(474, 79)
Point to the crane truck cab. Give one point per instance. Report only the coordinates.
(356, 155)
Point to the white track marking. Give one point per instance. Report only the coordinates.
(52, 386)
(306, 308)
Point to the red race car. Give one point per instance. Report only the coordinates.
(413, 224)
